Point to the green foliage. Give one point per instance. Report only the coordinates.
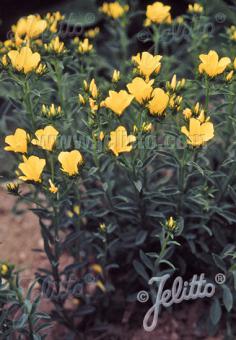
(163, 206)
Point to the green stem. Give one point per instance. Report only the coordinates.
(227, 182)
(52, 167)
(28, 102)
(181, 174)
(21, 301)
(59, 76)
(156, 39)
(124, 44)
(164, 246)
(207, 93)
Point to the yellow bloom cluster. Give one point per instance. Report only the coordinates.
(174, 85)
(53, 19)
(29, 27)
(84, 46)
(24, 60)
(114, 9)
(200, 129)
(92, 33)
(19, 51)
(51, 111)
(55, 46)
(140, 89)
(116, 76)
(91, 95)
(33, 166)
(195, 8)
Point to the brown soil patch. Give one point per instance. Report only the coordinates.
(19, 234)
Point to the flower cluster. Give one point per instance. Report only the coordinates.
(114, 9)
(119, 149)
(32, 166)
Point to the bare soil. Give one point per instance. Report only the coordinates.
(19, 234)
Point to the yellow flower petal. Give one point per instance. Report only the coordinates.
(70, 161)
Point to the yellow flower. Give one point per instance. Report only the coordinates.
(140, 89)
(120, 141)
(101, 136)
(4, 269)
(171, 223)
(51, 111)
(92, 33)
(146, 127)
(41, 69)
(115, 76)
(159, 102)
(232, 32)
(93, 89)
(53, 189)
(70, 213)
(175, 85)
(198, 133)
(46, 138)
(201, 117)
(195, 8)
(31, 26)
(102, 226)
(13, 188)
(56, 46)
(211, 64)
(17, 142)
(85, 46)
(187, 113)
(97, 268)
(100, 285)
(147, 63)
(179, 20)
(86, 85)
(70, 161)
(24, 60)
(32, 168)
(81, 99)
(113, 9)
(93, 105)
(4, 60)
(76, 209)
(118, 101)
(53, 20)
(175, 102)
(230, 76)
(158, 13)
(235, 63)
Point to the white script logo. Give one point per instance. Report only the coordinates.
(180, 291)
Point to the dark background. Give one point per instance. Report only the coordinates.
(11, 10)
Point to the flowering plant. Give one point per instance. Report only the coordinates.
(131, 172)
